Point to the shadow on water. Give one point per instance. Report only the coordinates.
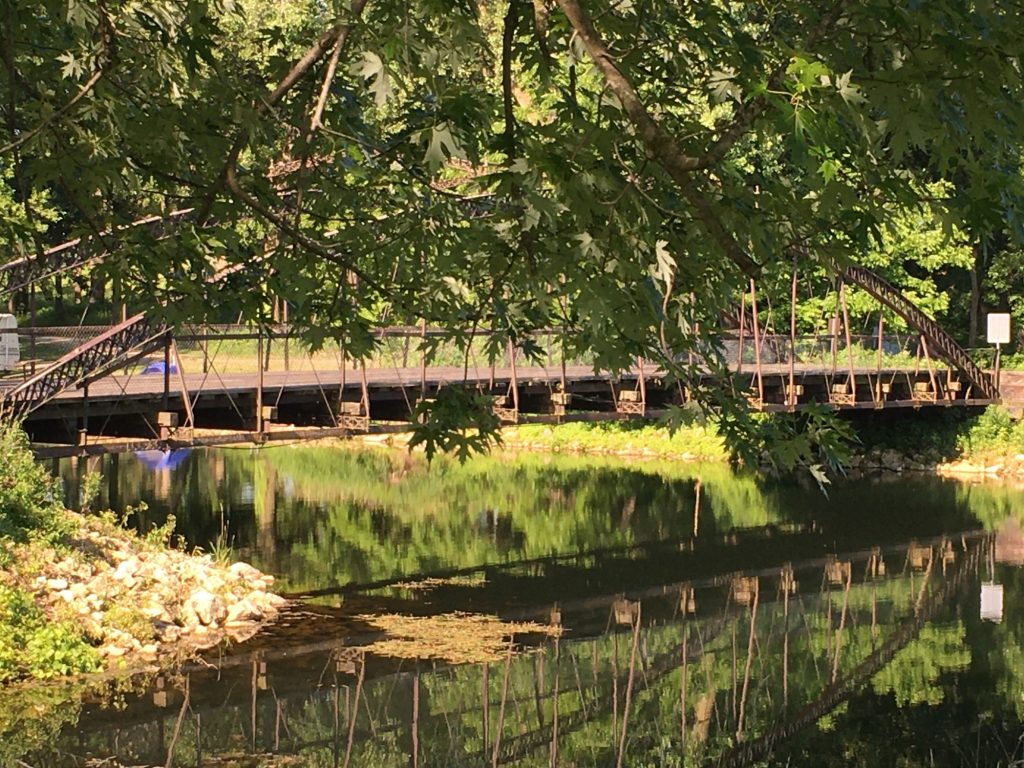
(706, 619)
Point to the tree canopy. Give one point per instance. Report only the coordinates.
(615, 168)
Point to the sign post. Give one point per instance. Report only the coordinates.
(998, 333)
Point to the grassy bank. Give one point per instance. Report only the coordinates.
(946, 440)
(621, 438)
(34, 529)
(922, 439)
(79, 593)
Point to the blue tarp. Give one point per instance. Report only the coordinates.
(163, 459)
(158, 367)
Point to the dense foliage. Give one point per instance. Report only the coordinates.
(31, 506)
(619, 169)
(33, 644)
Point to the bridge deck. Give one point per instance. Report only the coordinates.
(306, 402)
(150, 387)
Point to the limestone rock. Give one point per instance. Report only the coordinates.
(126, 568)
(244, 572)
(209, 609)
(892, 460)
(239, 633)
(168, 633)
(267, 600)
(244, 611)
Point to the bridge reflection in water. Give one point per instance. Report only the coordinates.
(719, 670)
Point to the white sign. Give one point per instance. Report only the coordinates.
(998, 328)
(9, 348)
(992, 601)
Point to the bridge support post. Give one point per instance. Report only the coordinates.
(879, 402)
(167, 372)
(995, 373)
(791, 395)
(83, 432)
(259, 384)
(32, 315)
(167, 421)
(423, 359)
(186, 398)
(757, 345)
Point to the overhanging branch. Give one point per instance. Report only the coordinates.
(333, 38)
(664, 149)
(749, 112)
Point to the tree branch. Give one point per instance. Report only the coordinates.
(325, 89)
(335, 36)
(231, 179)
(664, 149)
(507, 37)
(658, 140)
(749, 112)
(57, 115)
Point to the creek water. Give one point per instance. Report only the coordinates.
(669, 614)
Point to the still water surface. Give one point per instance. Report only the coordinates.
(706, 617)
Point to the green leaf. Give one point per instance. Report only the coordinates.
(441, 146)
(372, 68)
(664, 267)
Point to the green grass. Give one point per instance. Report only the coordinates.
(31, 507)
(32, 515)
(694, 441)
(990, 435)
(993, 433)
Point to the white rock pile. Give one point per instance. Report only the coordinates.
(147, 602)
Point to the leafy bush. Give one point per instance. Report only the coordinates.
(30, 501)
(32, 645)
(994, 431)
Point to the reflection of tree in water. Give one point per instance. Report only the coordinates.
(32, 718)
(363, 515)
(319, 516)
(325, 516)
(913, 676)
(208, 489)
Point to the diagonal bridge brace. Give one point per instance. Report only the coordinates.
(19, 274)
(939, 342)
(93, 359)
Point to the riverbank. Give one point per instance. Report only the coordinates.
(987, 444)
(79, 593)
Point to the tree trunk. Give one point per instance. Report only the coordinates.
(972, 335)
(58, 295)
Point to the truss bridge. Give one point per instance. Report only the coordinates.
(139, 383)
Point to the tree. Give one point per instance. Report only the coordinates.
(618, 169)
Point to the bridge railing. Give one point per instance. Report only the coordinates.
(236, 349)
(44, 345)
(826, 351)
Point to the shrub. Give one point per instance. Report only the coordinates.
(994, 431)
(30, 501)
(32, 645)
